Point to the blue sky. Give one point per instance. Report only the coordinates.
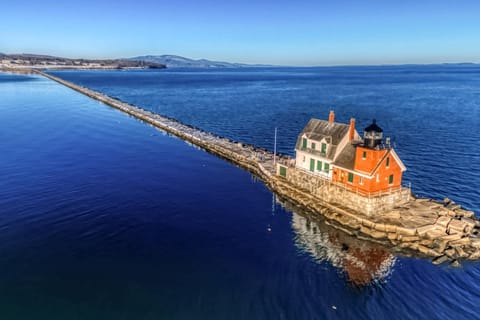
(302, 32)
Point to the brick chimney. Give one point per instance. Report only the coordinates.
(331, 117)
(351, 132)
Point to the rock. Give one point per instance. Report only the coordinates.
(392, 236)
(440, 260)
(460, 252)
(461, 242)
(475, 255)
(443, 221)
(410, 238)
(451, 237)
(468, 214)
(390, 228)
(406, 231)
(453, 206)
(423, 231)
(450, 253)
(475, 243)
(427, 251)
(440, 245)
(426, 242)
(469, 223)
(456, 226)
(455, 264)
(451, 213)
(376, 234)
(368, 223)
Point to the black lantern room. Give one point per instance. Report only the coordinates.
(373, 135)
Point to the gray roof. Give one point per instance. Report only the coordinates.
(318, 129)
(346, 158)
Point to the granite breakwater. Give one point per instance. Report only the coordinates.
(442, 231)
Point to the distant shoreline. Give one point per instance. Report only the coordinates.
(31, 61)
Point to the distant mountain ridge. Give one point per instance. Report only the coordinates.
(173, 61)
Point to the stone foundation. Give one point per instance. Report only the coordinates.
(335, 193)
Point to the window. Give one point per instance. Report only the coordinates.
(319, 165)
(364, 155)
(388, 162)
(324, 148)
(327, 167)
(361, 180)
(390, 179)
(312, 165)
(303, 158)
(313, 145)
(378, 178)
(350, 177)
(283, 171)
(304, 143)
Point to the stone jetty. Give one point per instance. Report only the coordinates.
(439, 230)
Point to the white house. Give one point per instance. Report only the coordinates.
(321, 142)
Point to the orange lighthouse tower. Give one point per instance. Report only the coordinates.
(378, 161)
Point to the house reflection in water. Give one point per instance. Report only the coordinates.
(362, 262)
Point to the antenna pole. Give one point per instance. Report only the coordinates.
(275, 149)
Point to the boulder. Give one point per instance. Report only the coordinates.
(455, 264)
(406, 231)
(450, 253)
(422, 231)
(443, 221)
(390, 228)
(410, 238)
(439, 245)
(475, 255)
(456, 226)
(461, 242)
(440, 260)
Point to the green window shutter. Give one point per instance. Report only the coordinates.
(324, 148)
(283, 171)
(364, 155)
(304, 143)
(390, 179)
(388, 162)
(319, 165)
(313, 146)
(312, 165)
(350, 177)
(327, 167)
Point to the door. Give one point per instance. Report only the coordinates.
(312, 165)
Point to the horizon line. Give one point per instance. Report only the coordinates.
(259, 64)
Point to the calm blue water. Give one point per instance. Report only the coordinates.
(104, 217)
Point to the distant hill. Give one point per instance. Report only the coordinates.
(173, 61)
(27, 60)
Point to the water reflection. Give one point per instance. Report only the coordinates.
(362, 262)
